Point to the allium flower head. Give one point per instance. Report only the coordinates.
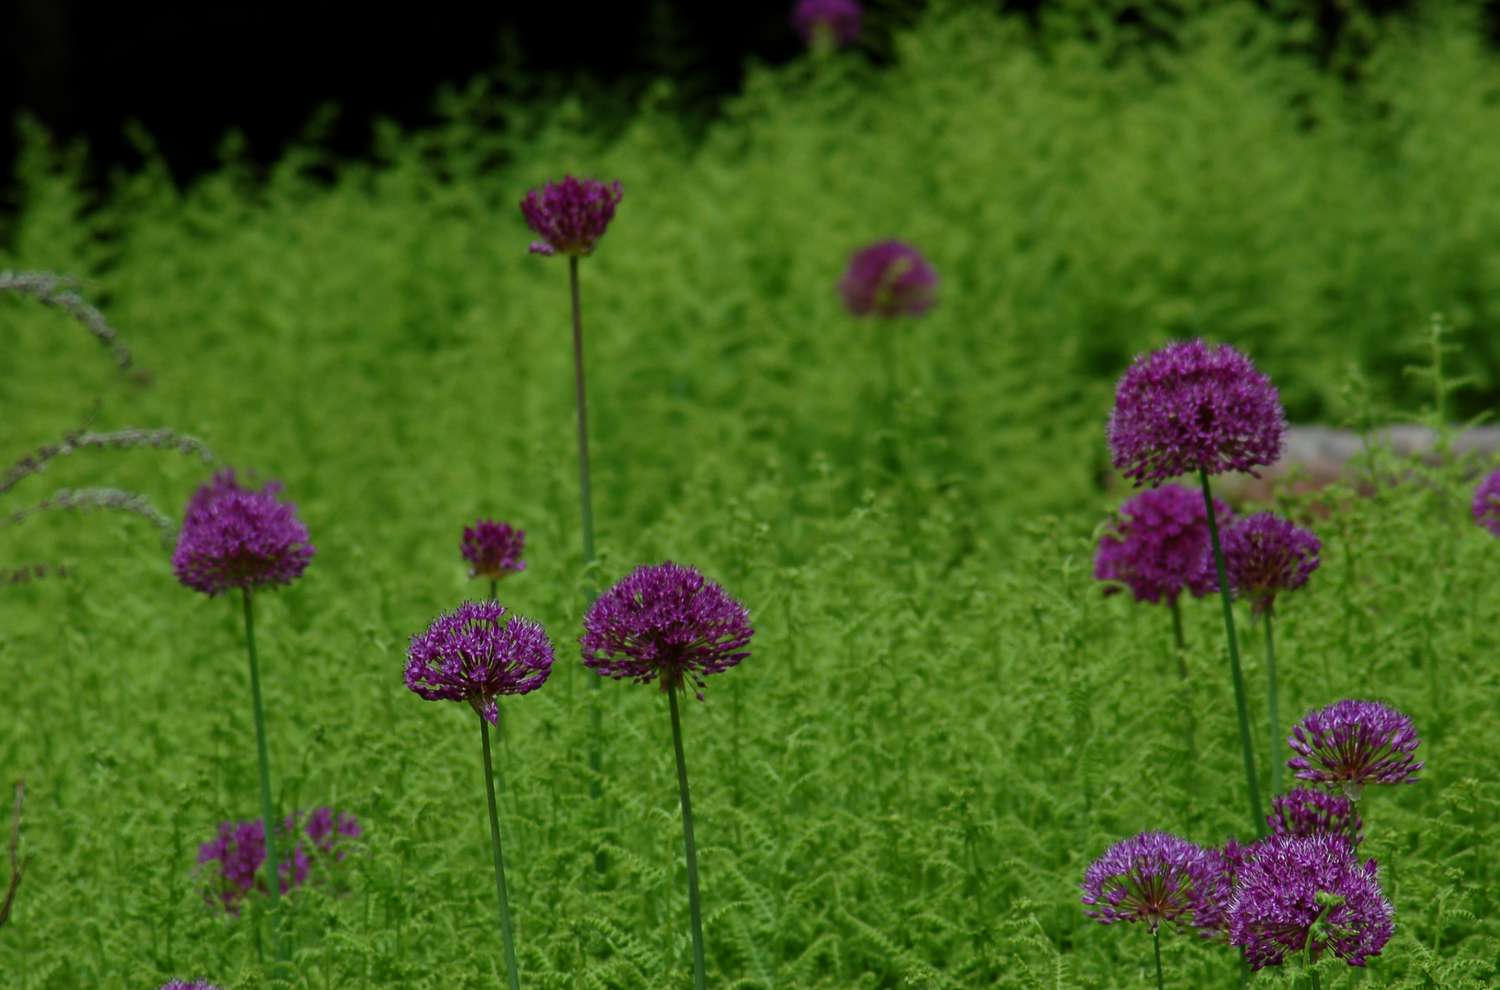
(236, 537)
(837, 20)
(1190, 406)
(1487, 503)
(1265, 554)
(570, 216)
(182, 985)
(1277, 908)
(1352, 743)
(472, 654)
(1152, 877)
(1159, 546)
(888, 279)
(665, 621)
(1305, 812)
(240, 850)
(493, 549)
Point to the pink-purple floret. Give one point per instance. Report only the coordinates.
(1265, 554)
(570, 216)
(1189, 407)
(1487, 503)
(1306, 812)
(473, 654)
(839, 19)
(1159, 546)
(240, 851)
(182, 985)
(493, 549)
(1275, 910)
(237, 537)
(1155, 877)
(1351, 743)
(665, 621)
(889, 279)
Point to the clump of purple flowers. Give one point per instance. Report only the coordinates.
(1308, 894)
(1305, 812)
(1155, 877)
(1352, 743)
(181, 985)
(472, 654)
(240, 850)
(889, 279)
(665, 621)
(1189, 407)
(1159, 546)
(838, 20)
(1487, 503)
(493, 549)
(237, 537)
(570, 216)
(1265, 554)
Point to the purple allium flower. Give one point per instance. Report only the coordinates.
(240, 850)
(1190, 406)
(838, 20)
(1353, 743)
(1305, 812)
(1159, 545)
(493, 549)
(1487, 503)
(888, 279)
(1154, 877)
(235, 537)
(668, 621)
(1298, 890)
(1265, 554)
(570, 216)
(183, 985)
(472, 654)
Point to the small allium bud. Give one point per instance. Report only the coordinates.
(1264, 555)
(1487, 503)
(889, 279)
(493, 549)
(570, 216)
(1159, 545)
(836, 20)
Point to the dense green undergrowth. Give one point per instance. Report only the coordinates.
(943, 720)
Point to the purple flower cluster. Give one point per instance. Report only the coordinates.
(1155, 877)
(570, 216)
(1487, 503)
(1352, 743)
(181, 985)
(1265, 554)
(1308, 893)
(236, 537)
(838, 20)
(472, 654)
(1159, 546)
(493, 549)
(889, 279)
(1305, 812)
(240, 850)
(1191, 407)
(665, 621)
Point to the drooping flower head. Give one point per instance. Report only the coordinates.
(570, 216)
(240, 850)
(493, 549)
(668, 622)
(836, 20)
(888, 279)
(1305, 812)
(1189, 406)
(1298, 890)
(236, 537)
(1265, 554)
(1487, 503)
(1352, 743)
(1159, 546)
(473, 654)
(1152, 877)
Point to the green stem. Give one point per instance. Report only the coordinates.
(1271, 705)
(494, 590)
(506, 935)
(1178, 640)
(700, 979)
(1241, 710)
(585, 501)
(1156, 941)
(268, 816)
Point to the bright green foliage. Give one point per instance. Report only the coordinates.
(943, 720)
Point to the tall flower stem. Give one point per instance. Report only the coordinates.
(1241, 710)
(273, 862)
(700, 979)
(506, 934)
(585, 499)
(1271, 705)
(1177, 639)
(1156, 941)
